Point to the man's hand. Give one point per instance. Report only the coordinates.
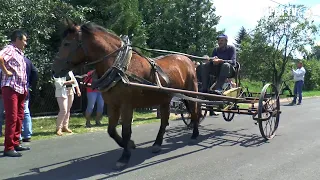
(217, 61)
(79, 93)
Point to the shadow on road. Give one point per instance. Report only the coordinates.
(176, 138)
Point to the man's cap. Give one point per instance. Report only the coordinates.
(222, 36)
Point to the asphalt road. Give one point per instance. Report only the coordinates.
(225, 151)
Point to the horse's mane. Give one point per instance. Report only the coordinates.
(89, 28)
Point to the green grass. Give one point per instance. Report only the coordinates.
(310, 93)
(255, 86)
(44, 128)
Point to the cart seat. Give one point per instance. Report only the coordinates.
(233, 92)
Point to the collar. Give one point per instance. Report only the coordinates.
(223, 48)
(17, 49)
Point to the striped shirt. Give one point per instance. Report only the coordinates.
(14, 62)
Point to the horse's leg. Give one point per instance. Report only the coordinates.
(195, 117)
(194, 109)
(114, 114)
(126, 116)
(165, 113)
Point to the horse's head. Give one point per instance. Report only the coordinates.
(84, 44)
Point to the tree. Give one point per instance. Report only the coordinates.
(254, 55)
(284, 34)
(316, 52)
(120, 16)
(242, 35)
(184, 26)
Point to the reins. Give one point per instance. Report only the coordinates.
(146, 49)
(171, 52)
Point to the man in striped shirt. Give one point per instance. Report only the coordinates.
(14, 91)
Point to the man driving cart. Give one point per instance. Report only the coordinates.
(222, 65)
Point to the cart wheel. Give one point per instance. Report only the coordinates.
(228, 116)
(269, 111)
(186, 117)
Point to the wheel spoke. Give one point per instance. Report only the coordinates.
(271, 130)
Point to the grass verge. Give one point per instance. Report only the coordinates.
(311, 93)
(44, 128)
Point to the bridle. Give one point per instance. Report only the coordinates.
(80, 45)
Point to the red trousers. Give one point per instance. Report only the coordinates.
(14, 108)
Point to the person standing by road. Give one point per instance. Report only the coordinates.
(32, 78)
(93, 96)
(66, 87)
(14, 91)
(298, 76)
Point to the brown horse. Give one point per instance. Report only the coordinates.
(92, 44)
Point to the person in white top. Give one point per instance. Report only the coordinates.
(66, 87)
(298, 76)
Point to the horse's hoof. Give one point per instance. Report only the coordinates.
(120, 166)
(132, 144)
(156, 149)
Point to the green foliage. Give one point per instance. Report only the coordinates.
(312, 77)
(120, 16)
(40, 19)
(184, 26)
(316, 52)
(242, 35)
(254, 58)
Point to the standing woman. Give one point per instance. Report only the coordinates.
(94, 96)
(66, 87)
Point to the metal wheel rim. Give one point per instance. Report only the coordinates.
(273, 120)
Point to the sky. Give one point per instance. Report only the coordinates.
(237, 13)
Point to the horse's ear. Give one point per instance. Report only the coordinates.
(69, 23)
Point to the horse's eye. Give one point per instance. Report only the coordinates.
(66, 44)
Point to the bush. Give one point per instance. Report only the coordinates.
(312, 77)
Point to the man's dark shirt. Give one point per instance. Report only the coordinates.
(32, 75)
(229, 54)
